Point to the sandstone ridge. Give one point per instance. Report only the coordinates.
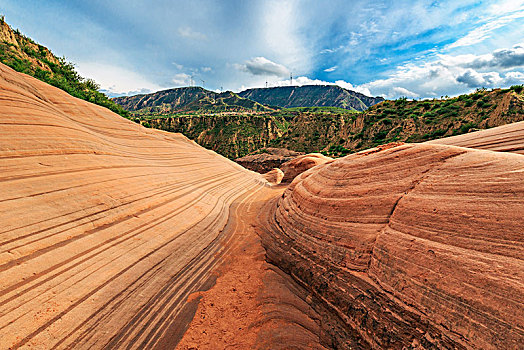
(298, 165)
(505, 138)
(107, 226)
(414, 246)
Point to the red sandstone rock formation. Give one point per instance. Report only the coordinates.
(302, 163)
(416, 246)
(505, 138)
(268, 159)
(106, 227)
(275, 176)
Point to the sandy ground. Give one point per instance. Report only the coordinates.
(227, 314)
(253, 304)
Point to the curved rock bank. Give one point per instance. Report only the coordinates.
(107, 227)
(505, 138)
(416, 246)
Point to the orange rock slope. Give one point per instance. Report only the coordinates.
(415, 246)
(106, 226)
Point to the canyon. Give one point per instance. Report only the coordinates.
(115, 235)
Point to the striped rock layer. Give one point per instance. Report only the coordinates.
(505, 138)
(106, 226)
(415, 246)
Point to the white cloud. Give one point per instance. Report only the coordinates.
(333, 50)
(206, 69)
(502, 58)
(484, 32)
(116, 80)
(178, 66)
(263, 66)
(349, 86)
(331, 69)
(449, 75)
(404, 92)
(181, 79)
(475, 79)
(302, 80)
(281, 34)
(471, 78)
(514, 78)
(189, 33)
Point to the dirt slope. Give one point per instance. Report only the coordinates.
(107, 227)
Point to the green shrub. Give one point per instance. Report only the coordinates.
(381, 135)
(517, 88)
(434, 134)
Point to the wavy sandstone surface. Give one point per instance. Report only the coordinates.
(107, 227)
(505, 138)
(112, 235)
(415, 246)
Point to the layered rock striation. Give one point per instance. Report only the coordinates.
(107, 226)
(505, 138)
(414, 246)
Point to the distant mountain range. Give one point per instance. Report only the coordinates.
(187, 99)
(311, 96)
(263, 99)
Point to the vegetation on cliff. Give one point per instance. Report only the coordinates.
(403, 120)
(232, 135)
(338, 132)
(24, 55)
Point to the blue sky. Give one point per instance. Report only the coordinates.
(418, 49)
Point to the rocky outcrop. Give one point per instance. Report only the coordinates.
(267, 159)
(274, 176)
(414, 246)
(302, 163)
(107, 226)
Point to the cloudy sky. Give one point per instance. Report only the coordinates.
(417, 49)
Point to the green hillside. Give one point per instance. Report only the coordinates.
(403, 120)
(338, 132)
(186, 100)
(24, 55)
